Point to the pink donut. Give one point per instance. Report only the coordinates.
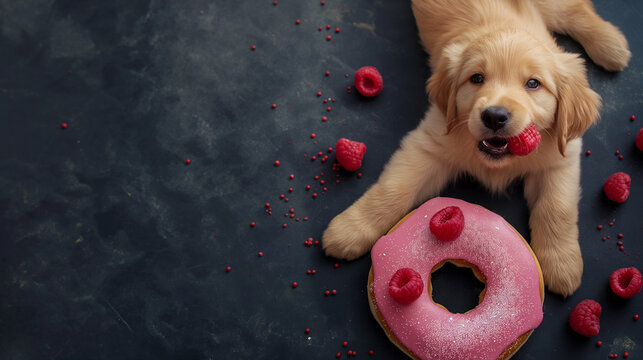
(510, 307)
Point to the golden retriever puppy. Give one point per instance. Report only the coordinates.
(496, 70)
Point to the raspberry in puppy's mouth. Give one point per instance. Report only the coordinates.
(495, 147)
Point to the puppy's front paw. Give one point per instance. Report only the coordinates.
(349, 236)
(609, 48)
(562, 269)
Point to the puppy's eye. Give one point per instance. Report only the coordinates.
(532, 84)
(477, 78)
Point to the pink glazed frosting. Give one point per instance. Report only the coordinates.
(512, 303)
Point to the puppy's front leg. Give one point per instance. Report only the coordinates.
(553, 196)
(603, 42)
(412, 174)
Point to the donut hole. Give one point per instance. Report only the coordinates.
(456, 285)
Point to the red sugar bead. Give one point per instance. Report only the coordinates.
(345, 344)
(260, 254)
(327, 73)
(313, 135)
(635, 317)
(307, 187)
(327, 27)
(314, 195)
(290, 189)
(588, 153)
(63, 126)
(253, 47)
(307, 331)
(329, 108)
(599, 343)
(600, 227)
(324, 118)
(227, 269)
(274, 106)
(274, 3)
(327, 292)
(338, 355)
(632, 118)
(188, 161)
(323, 2)
(284, 225)
(319, 93)
(336, 30)
(277, 163)
(252, 224)
(294, 284)
(282, 196)
(291, 176)
(333, 292)
(297, 21)
(328, 37)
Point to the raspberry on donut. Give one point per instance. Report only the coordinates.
(406, 285)
(447, 224)
(368, 81)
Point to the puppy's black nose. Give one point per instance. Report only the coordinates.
(495, 117)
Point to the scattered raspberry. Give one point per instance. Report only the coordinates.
(368, 81)
(617, 187)
(626, 282)
(447, 224)
(585, 318)
(405, 286)
(639, 140)
(526, 142)
(350, 153)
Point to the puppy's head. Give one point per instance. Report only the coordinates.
(500, 83)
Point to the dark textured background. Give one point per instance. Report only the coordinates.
(112, 248)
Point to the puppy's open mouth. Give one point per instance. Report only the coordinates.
(496, 147)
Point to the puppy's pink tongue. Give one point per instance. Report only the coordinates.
(526, 142)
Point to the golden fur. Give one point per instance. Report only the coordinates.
(508, 42)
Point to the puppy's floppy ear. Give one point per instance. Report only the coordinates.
(442, 85)
(578, 105)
